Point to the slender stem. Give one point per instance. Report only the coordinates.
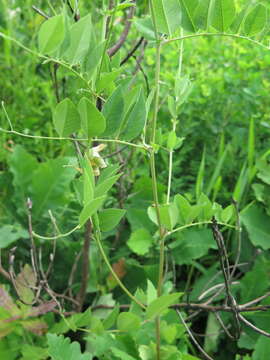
(153, 174)
(107, 262)
(59, 236)
(138, 146)
(170, 168)
(236, 36)
(196, 224)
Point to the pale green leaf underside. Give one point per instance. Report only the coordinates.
(51, 34)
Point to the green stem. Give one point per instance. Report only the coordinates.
(240, 37)
(154, 177)
(107, 262)
(138, 146)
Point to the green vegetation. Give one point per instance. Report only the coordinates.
(134, 180)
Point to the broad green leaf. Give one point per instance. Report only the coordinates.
(256, 281)
(207, 210)
(223, 14)
(10, 233)
(88, 181)
(80, 39)
(128, 321)
(167, 15)
(51, 34)
(184, 208)
(106, 80)
(145, 27)
(33, 352)
(256, 19)
(108, 172)
(110, 218)
(227, 213)
(151, 292)
(160, 304)
(60, 348)
(122, 355)
(203, 14)
(92, 120)
(171, 141)
(105, 186)
(92, 59)
(188, 9)
(113, 112)
(169, 215)
(110, 320)
(191, 244)
(66, 118)
(262, 349)
(136, 120)
(257, 224)
(51, 185)
(89, 209)
(140, 241)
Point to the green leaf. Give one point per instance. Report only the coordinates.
(122, 355)
(167, 15)
(33, 352)
(256, 20)
(89, 209)
(80, 39)
(128, 321)
(10, 233)
(136, 119)
(145, 27)
(113, 112)
(169, 215)
(262, 349)
(60, 348)
(257, 224)
(223, 14)
(51, 184)
(66, 118)
(192, 244)
(171, 141)
(88, 181)
(160, 304)
(105, 186)
(110, 218)
(151, 292)
(140, 241)
(51, 34)
(203, 14)
(184, 208)
(188, 9)
(92, 120)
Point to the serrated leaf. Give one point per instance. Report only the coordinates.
(128, 321)
(89, 209)
(140, 241)
(223, 13)
(80, 39)
(66, 118)
(24, 283)
(60, 348)
(110, 218)
(256, 20)
(160, 304)
(92, 120)
(51, 34)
